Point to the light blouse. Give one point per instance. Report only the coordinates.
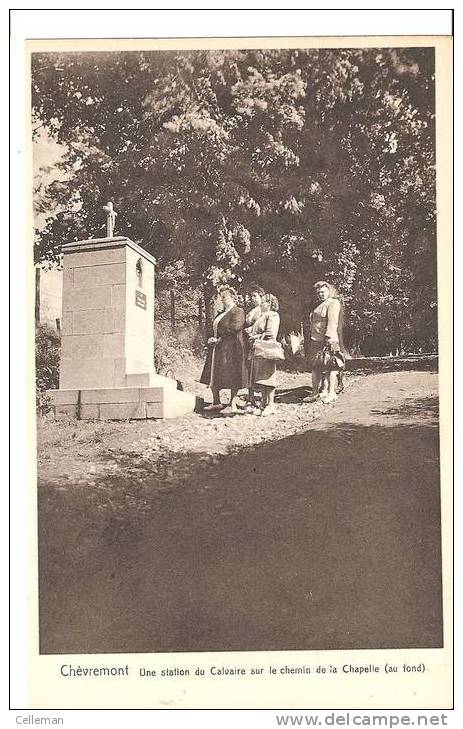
(325, 320)
(267, 325)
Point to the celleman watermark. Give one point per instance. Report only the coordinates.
(28, 719)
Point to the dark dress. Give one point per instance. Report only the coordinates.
(225, 366)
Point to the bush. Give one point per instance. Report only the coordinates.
(177, 352)
(47, 352)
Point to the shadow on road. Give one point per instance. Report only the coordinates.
(424, 408)
(329, 539)
(417, 363)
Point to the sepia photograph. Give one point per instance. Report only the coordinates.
(236, 349)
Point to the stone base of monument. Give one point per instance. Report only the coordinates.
(158, 398)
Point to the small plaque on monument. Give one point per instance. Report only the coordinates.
(140, 299)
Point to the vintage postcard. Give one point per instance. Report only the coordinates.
(240, 280)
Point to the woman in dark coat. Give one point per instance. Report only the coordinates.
(225, 367)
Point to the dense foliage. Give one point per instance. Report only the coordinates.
(278, 166)
(47, 353)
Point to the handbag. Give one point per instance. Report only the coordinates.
(294, 342)
(268, 349)
(328, 360)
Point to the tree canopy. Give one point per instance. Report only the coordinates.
(272, 165)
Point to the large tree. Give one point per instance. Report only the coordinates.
(284, 165)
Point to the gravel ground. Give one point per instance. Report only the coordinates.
(316, 528)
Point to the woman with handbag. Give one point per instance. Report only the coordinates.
(225, 367)
(255, 294)
(265, 353)
(325, 348)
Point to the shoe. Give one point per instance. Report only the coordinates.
(251, 408)
(232, 410)
(311, 398)
(329, 398)
(213, 407)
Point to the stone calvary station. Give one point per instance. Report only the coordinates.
(107, 337)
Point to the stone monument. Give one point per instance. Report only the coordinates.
(107, 346)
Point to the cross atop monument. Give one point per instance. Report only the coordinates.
(110, 219)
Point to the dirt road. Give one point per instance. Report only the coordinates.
(325, 538)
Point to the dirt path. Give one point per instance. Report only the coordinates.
(324, 537)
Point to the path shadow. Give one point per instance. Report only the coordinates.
(424, 407)
(286, 395)
(368, 365)
(214, 414)
(292, 395)
(329, 539)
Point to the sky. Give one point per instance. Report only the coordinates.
(46, 154)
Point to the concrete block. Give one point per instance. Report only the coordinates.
(65, 411)
(150, 379)
(120, 369)
(141, 379)
(118, 319)
(94, 276)
(92, 346)
(121, 403)
(86, 298)
(151, 394)
(99, 321)
(118, 295)
(68, 276)
(104, 256)
(77, 374)
(66, 322)
(123, 411)
(110, 395)
(140, 353)
(89, 412)
(138, 366)
(63, 397)
(154, 410)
